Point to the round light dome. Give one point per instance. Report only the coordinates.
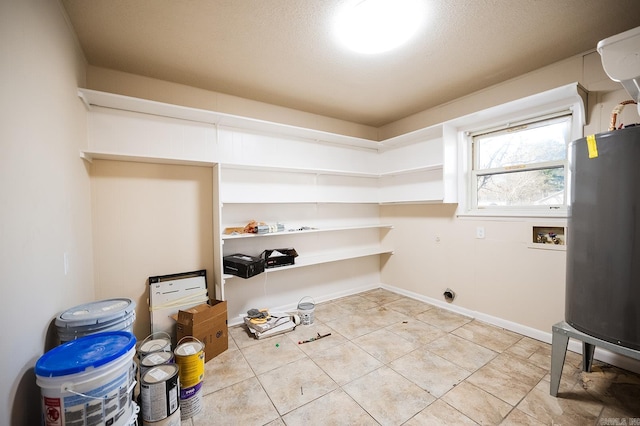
(376, 26)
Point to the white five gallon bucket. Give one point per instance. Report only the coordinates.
(88, 381)
(95, 317)
(305, 310)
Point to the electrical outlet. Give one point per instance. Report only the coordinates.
(480, 232)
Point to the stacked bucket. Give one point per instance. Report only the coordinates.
(96, 317)
(91, 377)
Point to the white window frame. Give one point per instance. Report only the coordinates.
(475, 172)
(569, 98)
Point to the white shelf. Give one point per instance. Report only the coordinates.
(334, 172)
(427, 168)
(145, 106)
(97, 155)
(328, 172)
(305, 231)
(336, 256)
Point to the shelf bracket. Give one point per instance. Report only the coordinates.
(84, 100)
(86, 157)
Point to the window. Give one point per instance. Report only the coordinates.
(521, 167)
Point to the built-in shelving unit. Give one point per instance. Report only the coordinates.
(330, 184)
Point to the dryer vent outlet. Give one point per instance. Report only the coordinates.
(449, 295)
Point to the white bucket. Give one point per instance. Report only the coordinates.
(305, 310)
(96, 317)
(88, 381)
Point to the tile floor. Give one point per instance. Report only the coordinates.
(391, 360)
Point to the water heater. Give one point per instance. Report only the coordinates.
(603, 237)
(603, 242)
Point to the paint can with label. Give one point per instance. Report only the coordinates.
(155, 359)
(190, 357)
(159, 393)
(88, 381)
(306, 310)
(158, 341)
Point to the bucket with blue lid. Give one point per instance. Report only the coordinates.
(89, 380)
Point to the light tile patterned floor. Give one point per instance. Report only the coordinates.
(391, 360)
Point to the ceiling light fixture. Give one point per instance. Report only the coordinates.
(376, 26)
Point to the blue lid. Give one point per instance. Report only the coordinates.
(86, 352)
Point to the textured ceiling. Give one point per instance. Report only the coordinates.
(283, 51)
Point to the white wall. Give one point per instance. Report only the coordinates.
(44, 194)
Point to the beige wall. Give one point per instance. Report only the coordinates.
(148, 220)
(499, 276)
(44, 194)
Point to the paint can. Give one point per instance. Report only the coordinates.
(96, 317)
(159, 393)
(190, 357)
(191, 401)
(88, 381)
(153, 343)
(155, 359)
(306, 310)
(172, 420)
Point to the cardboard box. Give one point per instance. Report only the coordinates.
(207, 323)
(243, 265)
(279, 257)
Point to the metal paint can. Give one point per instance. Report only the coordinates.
(172, 420)
(151, 343)
(155, 359)
(306, 310)
(190, 357)
(159, 392)
(191, 401)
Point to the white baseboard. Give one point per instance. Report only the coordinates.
(293, 307)
(603, 355)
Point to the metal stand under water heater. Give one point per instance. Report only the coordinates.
(603, 247)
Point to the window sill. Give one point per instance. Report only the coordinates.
(518, 214)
